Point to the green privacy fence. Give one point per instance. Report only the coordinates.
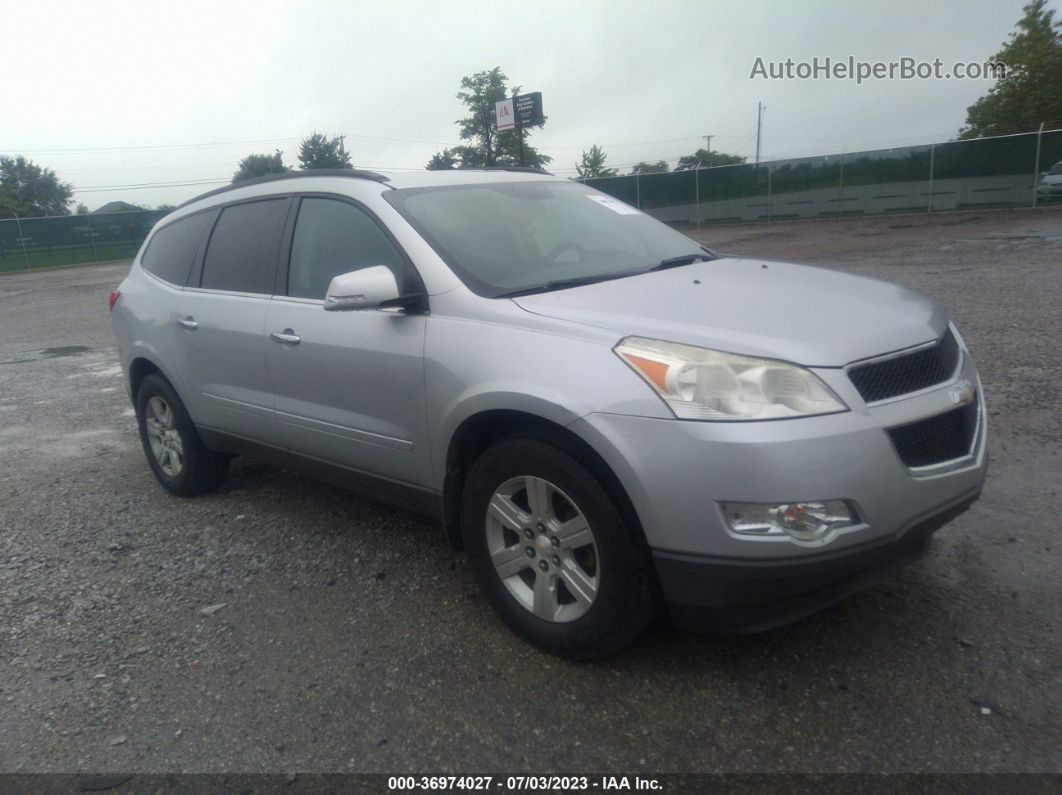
(72, 239)
(985, 172)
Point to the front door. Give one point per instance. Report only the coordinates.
(349, 386)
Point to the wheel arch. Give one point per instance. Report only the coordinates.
(481, 430)
(140, 367)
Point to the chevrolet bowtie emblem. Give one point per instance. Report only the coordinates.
(963, 394)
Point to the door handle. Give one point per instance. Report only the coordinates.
(187, 322)
(286, 336)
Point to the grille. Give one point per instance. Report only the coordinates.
(938, 439)
(903, 374)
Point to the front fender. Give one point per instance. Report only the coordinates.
(472, 367)
(491, 396)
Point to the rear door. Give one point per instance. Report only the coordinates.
(222, 344)
(349, 386)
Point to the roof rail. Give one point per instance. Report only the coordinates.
(350, 173)
(526, 169)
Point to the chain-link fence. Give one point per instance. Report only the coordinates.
(1005, 171)
(73, 239)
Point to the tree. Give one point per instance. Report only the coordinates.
(446, 159)
(259, 165)
(488, 147)
(81, 209)
(650, 168)
(706, 158)
(319, 151)
(593, 164)
(1029, 92)
(30, 191)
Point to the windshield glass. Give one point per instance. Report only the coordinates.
(505, 237)
(1056, 169)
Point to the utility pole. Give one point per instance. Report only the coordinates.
(1036, 168)
(21, 239)
(519, 130)
(708, 142)
(760, 108)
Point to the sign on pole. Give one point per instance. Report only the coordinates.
(505, 118)
(523, 110)
(529, 109)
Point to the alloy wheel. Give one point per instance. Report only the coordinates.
(163, 436)
(543, 549)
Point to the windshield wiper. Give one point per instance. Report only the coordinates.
(560, 284)
(678, 262)
(578, 281)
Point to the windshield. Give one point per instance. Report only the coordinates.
(508, 237)
(1056, 169)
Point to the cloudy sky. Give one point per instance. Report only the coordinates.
(119, 94)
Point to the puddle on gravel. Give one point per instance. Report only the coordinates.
(64, 350)
(39, 354)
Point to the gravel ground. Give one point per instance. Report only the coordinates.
(282, 625)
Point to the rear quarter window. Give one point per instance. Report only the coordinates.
(242, 253)
(173, 248)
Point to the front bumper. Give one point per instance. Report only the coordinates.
(677, 474)
(743, 596)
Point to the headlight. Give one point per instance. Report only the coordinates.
(702, 384)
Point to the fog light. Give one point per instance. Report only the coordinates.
(803, 521)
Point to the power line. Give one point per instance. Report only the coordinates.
(213, 180)
(672, 158)
(377, 138)
(640, 143)
(146, 147)
(156, 147)
(100, 188)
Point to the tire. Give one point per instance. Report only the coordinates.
(578, 594)
(180, 461)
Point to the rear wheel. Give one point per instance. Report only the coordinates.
(553, 553)
(179, 459)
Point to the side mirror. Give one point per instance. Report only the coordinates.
(367, 288)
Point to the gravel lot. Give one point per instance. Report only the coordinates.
(282, 625)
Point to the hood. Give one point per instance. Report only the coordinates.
(809, 316)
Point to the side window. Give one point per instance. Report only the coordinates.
(242, 253)
(333, 237)
(172, 250)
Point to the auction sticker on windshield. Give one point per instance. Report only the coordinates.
(614, 205)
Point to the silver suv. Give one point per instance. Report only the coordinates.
(606, 416)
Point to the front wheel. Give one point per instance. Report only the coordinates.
(548, 545)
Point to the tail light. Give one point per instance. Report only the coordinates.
(115, 295)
